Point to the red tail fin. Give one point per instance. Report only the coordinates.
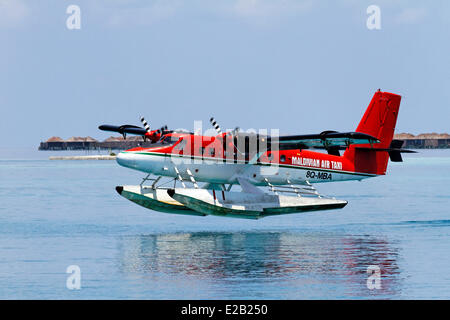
(379, 121)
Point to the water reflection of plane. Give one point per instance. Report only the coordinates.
(340, 259)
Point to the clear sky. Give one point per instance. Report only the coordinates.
(301, 66)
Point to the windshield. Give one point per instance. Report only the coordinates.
(169, 140)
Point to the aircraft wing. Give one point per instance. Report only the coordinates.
(325, 140)
(329, 139)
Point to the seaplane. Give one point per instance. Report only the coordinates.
(253, 175)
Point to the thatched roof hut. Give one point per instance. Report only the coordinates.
(135, 138)
(90, 139)
(114, 139)
(81, 139)
(55, 139)
(433, 135)
(404, 136)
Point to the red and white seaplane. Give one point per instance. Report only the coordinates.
(275, 173)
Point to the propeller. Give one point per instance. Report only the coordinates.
(146, 126)
(215, 125)
(232, 133)
(153, 133)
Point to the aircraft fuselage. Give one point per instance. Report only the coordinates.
(287, 166)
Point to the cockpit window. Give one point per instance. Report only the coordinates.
(169, 140)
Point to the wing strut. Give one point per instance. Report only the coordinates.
(191, 176)
(179, 176)
(272, 188)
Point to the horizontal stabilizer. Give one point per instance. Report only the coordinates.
(395, 150)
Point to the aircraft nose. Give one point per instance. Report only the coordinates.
(126, 159)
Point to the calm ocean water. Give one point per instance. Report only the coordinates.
(59, 213)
